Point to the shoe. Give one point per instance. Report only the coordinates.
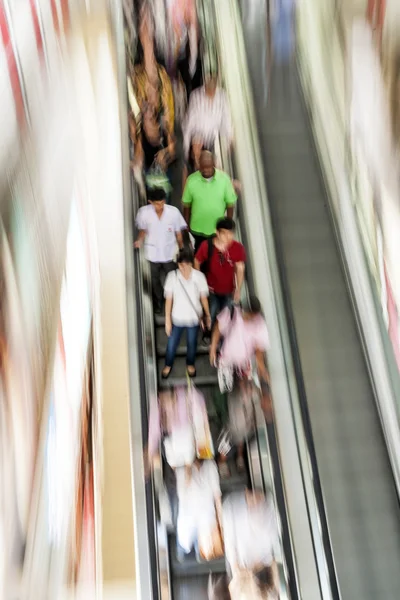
(165, 374)
(191, 373)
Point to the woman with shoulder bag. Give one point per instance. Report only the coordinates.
(186, 297)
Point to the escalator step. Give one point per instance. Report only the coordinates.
(182, 350)
(199, 381)
(206, 374)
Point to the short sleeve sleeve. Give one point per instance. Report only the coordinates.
(141, 220)
(230, 194)
(169, 285)
(240, 253)
(203, 285)
(187, 193)
(224, 320)
(261, 337)
(202, 253)
(180, 222)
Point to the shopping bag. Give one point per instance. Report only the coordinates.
(211, 546)
(201, 426)
(156, 178)
(180, 447)
(164, 505)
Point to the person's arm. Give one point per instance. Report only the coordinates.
(230, 198)
(179, 239)
(187, 202)
(261, 366)
(201, 255)
(216, 336)
(239, 272)
(206, 309)
(140, 239)
(168, 313)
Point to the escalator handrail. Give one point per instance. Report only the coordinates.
(315, 504)
(286, 563)
(141, 347)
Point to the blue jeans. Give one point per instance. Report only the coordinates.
(217, 304)
(173, 343)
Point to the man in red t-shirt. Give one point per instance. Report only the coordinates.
(222, 259)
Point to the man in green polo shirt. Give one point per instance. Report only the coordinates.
(208, 194)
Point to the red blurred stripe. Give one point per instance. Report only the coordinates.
(36, 25)
(65, 14)
(12, 65)
(55, 15)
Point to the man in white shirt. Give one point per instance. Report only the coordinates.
(160, 230)
(208, 117)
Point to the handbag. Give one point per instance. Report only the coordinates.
(165, 507)
(156, 178)
(211, 546)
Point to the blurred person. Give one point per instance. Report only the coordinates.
(199, 512)
(152, 91)
(160, 230)
(223, 261)
(208, 117)
(183, 41)
(208, 195)
(154, 151)
(239, 425)
(245, 337)
(186, 297)
(251, 541)
(376, 10)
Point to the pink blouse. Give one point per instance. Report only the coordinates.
(241, 338)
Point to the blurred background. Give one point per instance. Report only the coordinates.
(311, 143)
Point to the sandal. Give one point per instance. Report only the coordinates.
(166, 372)
(191, 371)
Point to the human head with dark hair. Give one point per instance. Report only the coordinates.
(207, 164)
(225, 231)
(252, 308)
(185, 262)
(157, 198)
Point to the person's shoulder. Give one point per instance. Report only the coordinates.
(172, 210)
(199, 276)
(237, 249)
(237, 245)
(143, 211)
(193, 178)
(170, 278)
(222, 176)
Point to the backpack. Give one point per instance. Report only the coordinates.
(206, 265)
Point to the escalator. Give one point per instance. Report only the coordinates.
(171, 576)
(338, 403)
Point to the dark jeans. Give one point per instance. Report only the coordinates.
(217, 305)
(158, 272)
(173, 343)
(199, 238)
